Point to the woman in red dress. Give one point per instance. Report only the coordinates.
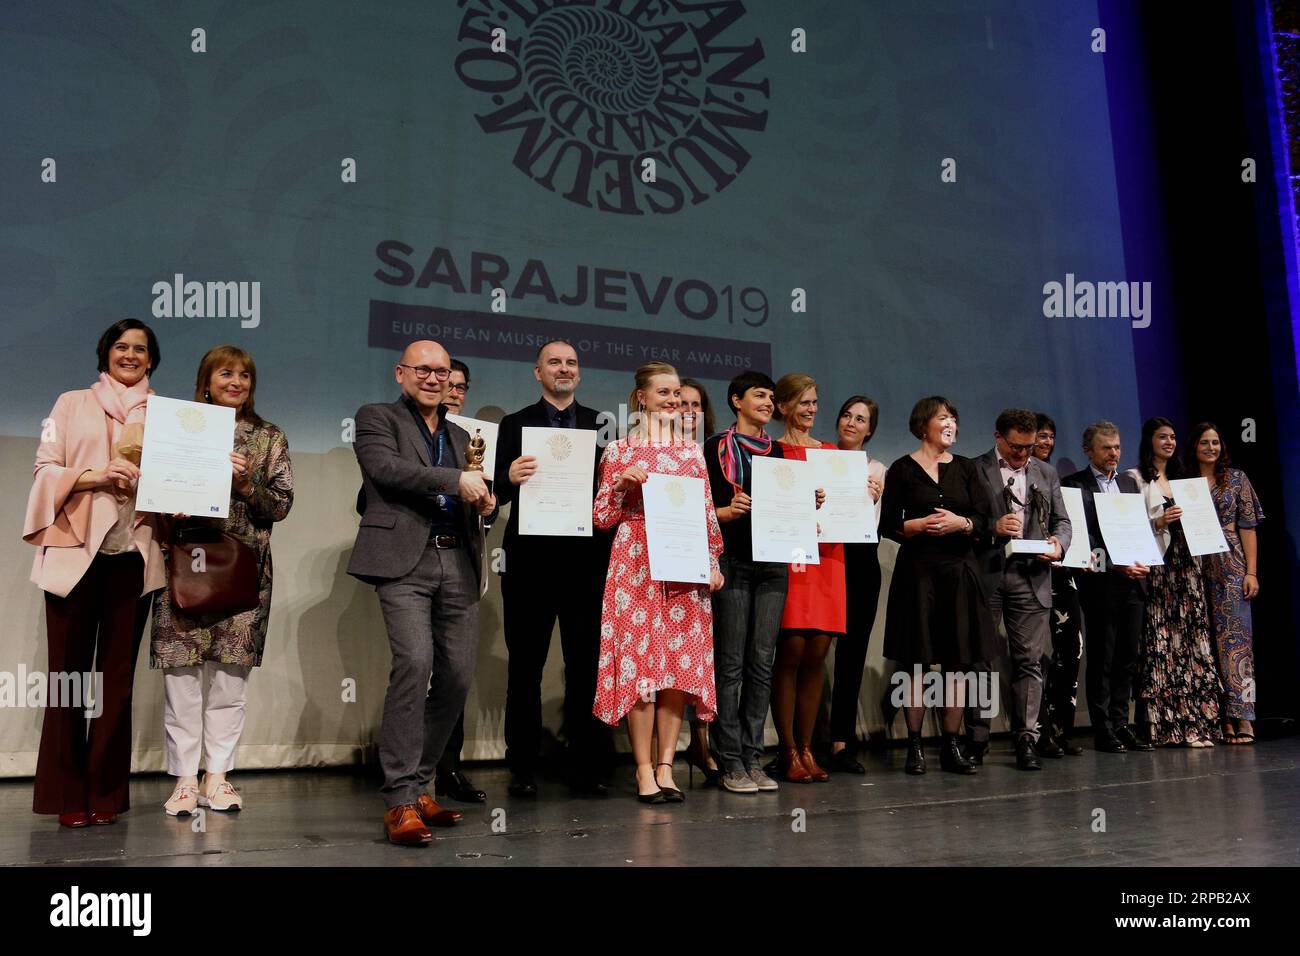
(656, 638)
(814, 606)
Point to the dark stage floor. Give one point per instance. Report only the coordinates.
(1223, 807)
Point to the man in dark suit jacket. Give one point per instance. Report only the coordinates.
(421, 544)
(545, 578)
(1113, 598)
(1025, 497)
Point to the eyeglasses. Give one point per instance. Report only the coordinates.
(1021, 448)
(423, 371)
(459, 386)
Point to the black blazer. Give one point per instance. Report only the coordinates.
(509, 447)
(1087, 483)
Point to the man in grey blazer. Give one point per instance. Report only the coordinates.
(421, 545)
(1025, 494)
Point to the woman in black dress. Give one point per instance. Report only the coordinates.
(936, 508)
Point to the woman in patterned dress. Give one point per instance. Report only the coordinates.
(1232, 581)
(656, 638)
(1178, 685)
(222, 650)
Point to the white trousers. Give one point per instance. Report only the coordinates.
(193, 728)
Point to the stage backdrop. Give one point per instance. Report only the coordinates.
(878, 194)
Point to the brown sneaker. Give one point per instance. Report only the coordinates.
(434, 815)
(405, 828)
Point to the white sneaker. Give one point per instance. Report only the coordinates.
(224, 797)
(183, 801)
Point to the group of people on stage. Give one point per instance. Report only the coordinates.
(1175, 638)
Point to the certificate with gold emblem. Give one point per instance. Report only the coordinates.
(185, 460)
(848, 514)
(783, 519)
(676, 528)
(557, 499)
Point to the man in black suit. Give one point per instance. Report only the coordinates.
(545, 578)
(1113, 598)
(1025, 497)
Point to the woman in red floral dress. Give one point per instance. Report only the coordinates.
(656, 638)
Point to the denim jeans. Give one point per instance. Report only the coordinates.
(746, 619)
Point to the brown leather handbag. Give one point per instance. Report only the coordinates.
(213, 573)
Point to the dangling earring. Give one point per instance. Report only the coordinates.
(207, 396)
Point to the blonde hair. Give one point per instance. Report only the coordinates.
(643, 376)
(227, 356)
(790, 388)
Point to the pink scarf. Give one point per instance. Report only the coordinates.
(122, 404)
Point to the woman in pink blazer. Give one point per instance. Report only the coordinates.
(97, 562)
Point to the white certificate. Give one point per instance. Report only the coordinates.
(848, 514)
(783, 518)
(1126, 529)
(676, 528)
(557, 500)
(1079, 554)
(1200, 520)
(185, 461)
(489, 430)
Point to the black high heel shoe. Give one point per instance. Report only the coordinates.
(694, 761)
(653, 798)
(670, 794)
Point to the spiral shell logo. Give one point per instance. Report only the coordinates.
(784, 476)
(560, 446)
(623, 108)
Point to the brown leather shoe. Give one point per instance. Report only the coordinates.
(405, 828)
(816, 773)
(434, 815)
(791, 768)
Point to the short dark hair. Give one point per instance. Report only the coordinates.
(926, 409)
(1043, 420)
(1100, 427)
(550, 342)
(1017, 420)
(873, 412)
(116, 331)
(743, 382)
(458, 366)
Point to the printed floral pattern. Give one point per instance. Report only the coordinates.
(653, 635)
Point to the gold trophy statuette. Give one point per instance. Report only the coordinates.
(477, 449)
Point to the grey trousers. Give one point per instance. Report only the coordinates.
(1028, 631)
(432, 619)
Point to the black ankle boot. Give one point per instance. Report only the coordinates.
(951, 758)
(915, 755)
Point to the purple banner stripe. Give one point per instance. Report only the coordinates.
(465, 333)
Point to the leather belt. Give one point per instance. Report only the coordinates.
(444, 541)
